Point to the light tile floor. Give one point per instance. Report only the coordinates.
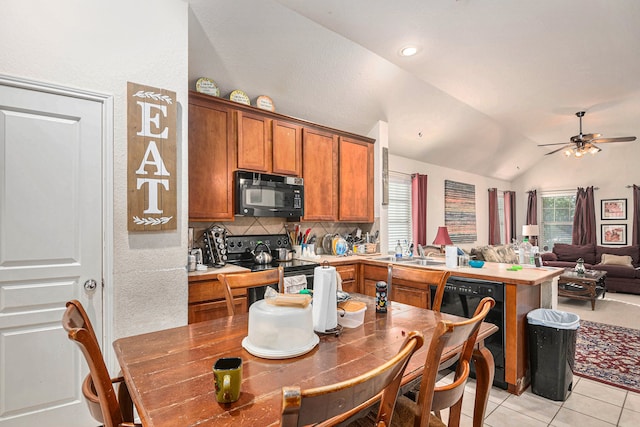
(590, 404)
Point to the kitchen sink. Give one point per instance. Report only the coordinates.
(414, 261)
(391, 258)
(426, 262)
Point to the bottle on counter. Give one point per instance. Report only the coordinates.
(398, 250)
(525, 252)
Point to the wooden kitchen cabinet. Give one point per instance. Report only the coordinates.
(349, 275)
(287, 148)
(207, 300)
(254, 141)
(320, 173)
(355, 164)
(211, 158)
(404, 291)
(270, 146)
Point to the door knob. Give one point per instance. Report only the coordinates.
(90, 285)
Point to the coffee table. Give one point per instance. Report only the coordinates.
(587, 286)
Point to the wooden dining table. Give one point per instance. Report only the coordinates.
(169, 372)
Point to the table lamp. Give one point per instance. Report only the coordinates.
(442, 238)
(532, 231)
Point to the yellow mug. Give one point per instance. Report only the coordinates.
(227, 374)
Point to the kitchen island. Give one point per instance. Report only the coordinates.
(525, 290)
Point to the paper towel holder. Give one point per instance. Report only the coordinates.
(338, 329)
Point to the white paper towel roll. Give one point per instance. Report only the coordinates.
(451, 256)
(325, 312)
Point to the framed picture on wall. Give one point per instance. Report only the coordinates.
(613, 234)
(614, 208)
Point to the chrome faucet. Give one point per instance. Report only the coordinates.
(420, 251)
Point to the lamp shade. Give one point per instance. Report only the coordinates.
(442, 237)
(530, 230)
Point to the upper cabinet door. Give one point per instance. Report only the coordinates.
(320, 173)
(211, 160)
(356, 180)
(254, 142)
(287, 148)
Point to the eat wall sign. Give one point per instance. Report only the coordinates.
(151, 165)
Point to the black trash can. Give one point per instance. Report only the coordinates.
(552, 348)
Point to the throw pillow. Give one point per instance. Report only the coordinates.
(499, 253)
(608, 259)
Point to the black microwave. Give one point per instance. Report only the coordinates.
(261, 194)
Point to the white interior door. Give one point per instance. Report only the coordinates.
(50, 245)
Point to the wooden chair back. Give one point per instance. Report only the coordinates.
(97, 388)
(431, 398)
(249, 280)
(333, 404)
(430, 278)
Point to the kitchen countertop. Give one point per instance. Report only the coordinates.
(490, 270)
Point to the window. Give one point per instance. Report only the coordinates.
(557, 218)
(399, 220)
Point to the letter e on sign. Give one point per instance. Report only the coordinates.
(151, 158)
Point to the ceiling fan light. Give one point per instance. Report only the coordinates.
(593, 150)
(578, 153)
(568, 152)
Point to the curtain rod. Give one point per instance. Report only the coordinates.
(629, 186)
(565, 189)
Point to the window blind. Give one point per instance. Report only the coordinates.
(399, 210)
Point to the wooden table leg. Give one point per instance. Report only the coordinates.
(485, 371)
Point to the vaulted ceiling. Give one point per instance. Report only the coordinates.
(492, 79)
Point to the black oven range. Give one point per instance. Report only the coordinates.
(240, 252)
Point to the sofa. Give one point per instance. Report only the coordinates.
(622, 264)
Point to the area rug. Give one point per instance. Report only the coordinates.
(608, 354)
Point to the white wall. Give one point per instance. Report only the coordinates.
(435, 194)
(99, 46)
(610, 170)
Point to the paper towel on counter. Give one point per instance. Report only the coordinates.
(325, 312)
(451, 256)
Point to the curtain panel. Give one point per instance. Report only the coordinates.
(584, 219)
(419, 208)
(509, 216)
(635, 226)
(532, 208)
(494, 218)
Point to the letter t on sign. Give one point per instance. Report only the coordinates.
(151, 158)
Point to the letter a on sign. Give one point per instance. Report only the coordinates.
(151, 163)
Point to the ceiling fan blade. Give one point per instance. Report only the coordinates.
(559, 149)
(590, 136)
(620, 139)
(546, 145)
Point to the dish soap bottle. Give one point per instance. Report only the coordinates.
(398, 250)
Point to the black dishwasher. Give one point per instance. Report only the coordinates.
(462, 296)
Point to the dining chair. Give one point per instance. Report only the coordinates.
(432, 399)
(435, 278)
(247, 280)
(336, 403)
(97, 387)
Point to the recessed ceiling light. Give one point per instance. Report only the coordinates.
(408, 51)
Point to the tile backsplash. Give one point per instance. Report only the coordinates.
(263, 225)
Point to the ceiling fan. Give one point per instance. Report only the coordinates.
(582, 144)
